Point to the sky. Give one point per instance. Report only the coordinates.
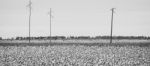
(75, 17)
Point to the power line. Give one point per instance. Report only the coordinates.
(111, 25)
(29, 5)
(50, 15)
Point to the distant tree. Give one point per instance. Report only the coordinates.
(61, 37)
(83, 37)
(72, 37)
(58, 37)
(19, 38)
(0, 38)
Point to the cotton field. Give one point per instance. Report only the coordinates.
(74, 56)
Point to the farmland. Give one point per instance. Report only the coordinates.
(89, 42)
(75, 53)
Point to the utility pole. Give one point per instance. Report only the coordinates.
(111, 25)
(50, 15)
(29, 5)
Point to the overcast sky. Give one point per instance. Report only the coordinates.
(75, 17)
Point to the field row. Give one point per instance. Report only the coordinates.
(77, 41)
(74, 56)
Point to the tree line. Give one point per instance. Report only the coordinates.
(78, 37)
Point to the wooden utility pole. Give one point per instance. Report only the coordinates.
(29, 5)
(50, 15)
(111, 25)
